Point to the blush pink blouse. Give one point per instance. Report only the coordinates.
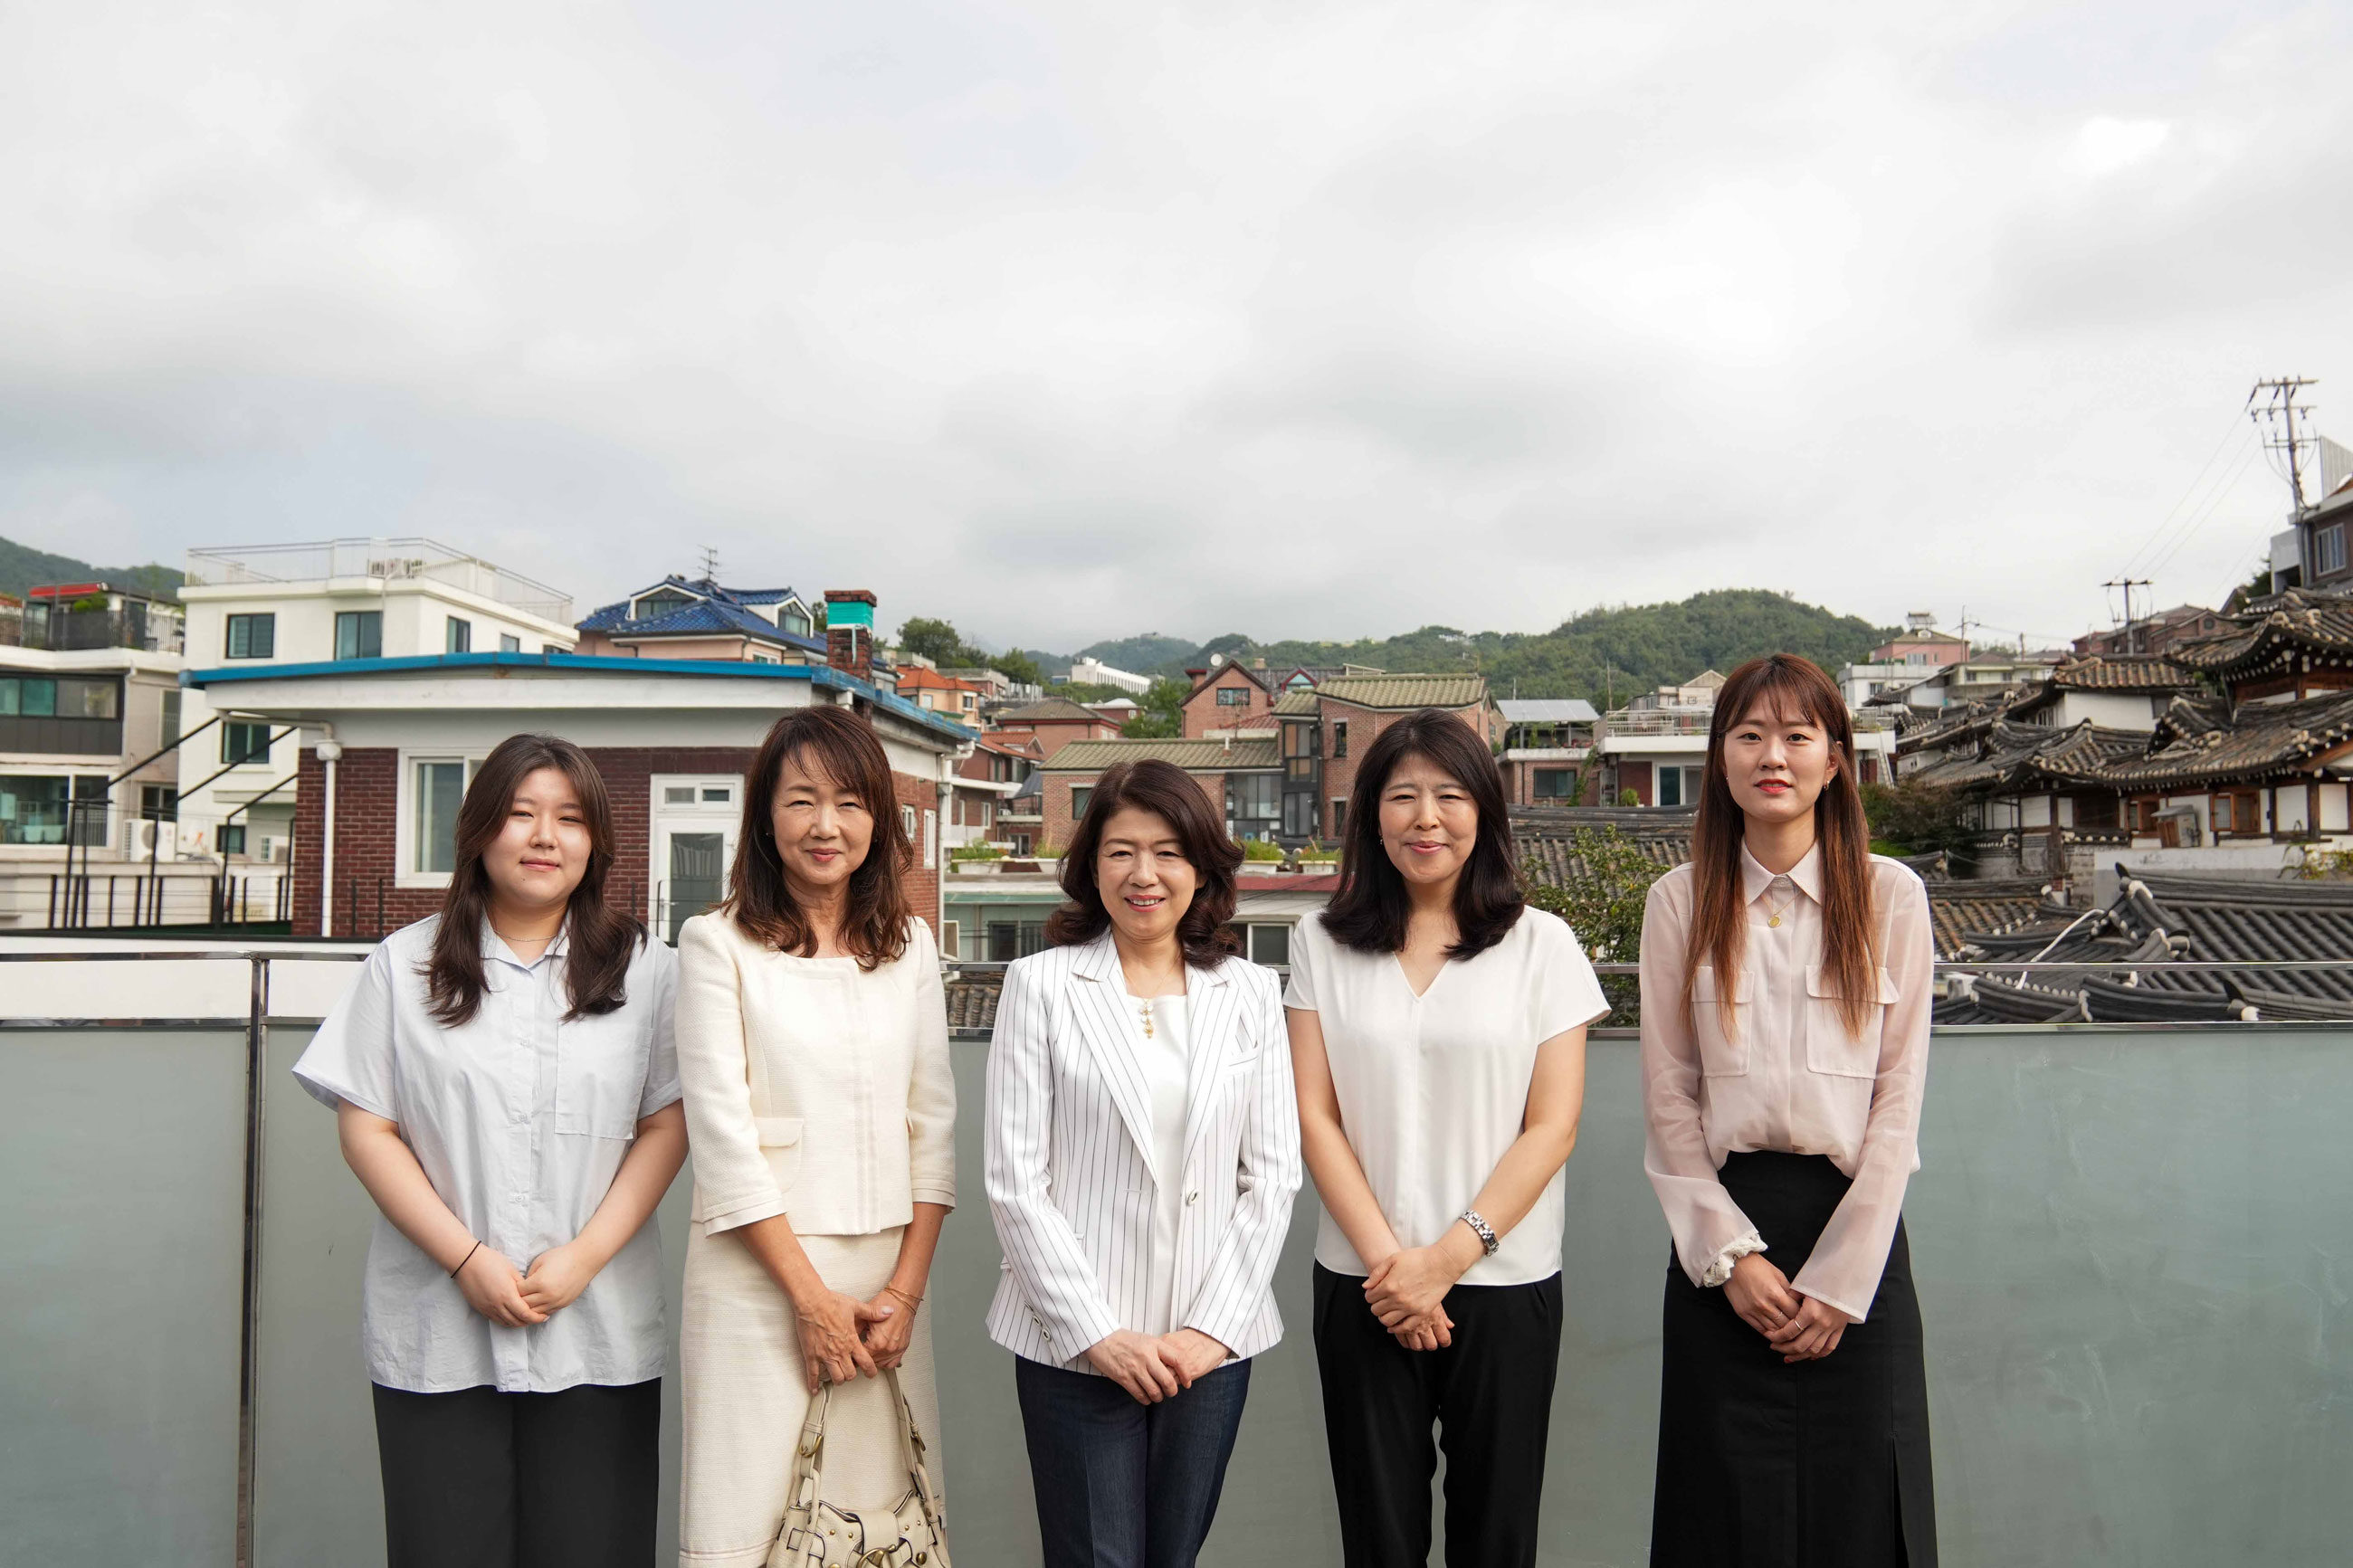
(1783, 1073)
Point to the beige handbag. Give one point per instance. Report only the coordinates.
(912, 1533)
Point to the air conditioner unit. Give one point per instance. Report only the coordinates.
(146, 838)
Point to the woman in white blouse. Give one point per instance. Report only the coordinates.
(1142, 1160)
(504, 1088)
(812, 1041)
(1786, 989)
(1437, 1028)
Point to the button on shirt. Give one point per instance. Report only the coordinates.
(1167, 1058)
(1433, 1089)
(520, 1119)
(1768, 1063)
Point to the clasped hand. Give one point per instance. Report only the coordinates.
(1798, 1326)
(1406, 1292)
(1153, 1367)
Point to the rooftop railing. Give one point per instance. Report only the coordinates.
(1695, 721)
(2125, 1241)
(391, 560)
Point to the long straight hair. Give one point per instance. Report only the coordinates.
(836, 742)
(1169, 793)
(1791, 688)
(1369, 912)
(601, 939)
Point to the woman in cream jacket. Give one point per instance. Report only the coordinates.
(812, 1035)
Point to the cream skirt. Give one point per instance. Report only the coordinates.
(746, 1397)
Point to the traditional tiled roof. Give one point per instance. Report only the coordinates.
(2162, 920)
(2011, 755)
(1196, 756)
(1053, 709)
(972, 1000)
(2262, 740)
(1546, 836)
(2276, 632)
(1958, 910)
(2098, 673)
(1398, 691)
(1296, 705)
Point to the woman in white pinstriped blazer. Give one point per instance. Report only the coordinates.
(1143, 1152)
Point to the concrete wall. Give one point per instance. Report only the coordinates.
(2131, 1249)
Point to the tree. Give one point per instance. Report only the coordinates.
(1164, 712)
(1601, 896)
(1920, 819)
(936, 640)
(1019, 667)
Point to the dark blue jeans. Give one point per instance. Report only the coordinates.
(1122, 1485)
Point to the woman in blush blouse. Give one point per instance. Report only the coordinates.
(505, 1090)
(1786, 975)
(1437, 1032)
(813, 1046)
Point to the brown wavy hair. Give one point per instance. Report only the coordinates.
(1170, 794)
(1369, 912)
(600, 939)
(834, 741)
(1788, 687)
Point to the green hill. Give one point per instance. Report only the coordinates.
(23, 567)
(1602, 654)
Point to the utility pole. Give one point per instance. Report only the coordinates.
(711, 563)
(2132, 632)
(2280, 409)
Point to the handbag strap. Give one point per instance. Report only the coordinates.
(911, 1446)
(807, 1484)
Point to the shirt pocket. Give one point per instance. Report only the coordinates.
(1723, 1031)
(1830, 1049)
(780, 1144)
(600, 1074)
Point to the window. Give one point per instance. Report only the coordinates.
(359, 634)
(59, 697)
(230, 839)
(510, 643)
(931, 838)
(1554, 783)
(159, 803)
(458, 636)
(1339, 815)
(660, 603)
(2238, 813)
(252, 637)
(438, 786)
(1080, 795)
(1009, 940)
(907, 821)
(2328, 550)
(1233, 696)
(1679, 786)
(35, 809)
(1340, 738)
(169, 729)
(245, 741)
(1270, 944)
(718, 794)
(1253, 797)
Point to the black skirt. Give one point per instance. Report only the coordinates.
(1820, 1465)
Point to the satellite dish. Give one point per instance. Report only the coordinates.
(1216, 659)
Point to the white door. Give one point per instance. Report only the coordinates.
(692, 846)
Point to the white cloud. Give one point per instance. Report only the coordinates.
(1073, 320)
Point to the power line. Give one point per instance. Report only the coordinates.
(2207, 513)
(2280, 409)
(2132, 633)
(2233, 428)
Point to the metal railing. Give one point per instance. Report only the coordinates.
(390, 559)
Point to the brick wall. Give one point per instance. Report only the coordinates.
(1203, 715)
(1061, 822)
(1364, 725)
(366, 801)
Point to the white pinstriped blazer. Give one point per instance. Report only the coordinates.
(1069, 1156)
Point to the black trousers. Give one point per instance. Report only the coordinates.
(478, 1478)
(1820, 1465)
(1490, 1396)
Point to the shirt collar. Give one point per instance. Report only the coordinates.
(495, 946)
(1807, 874)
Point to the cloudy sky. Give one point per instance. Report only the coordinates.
(1073, 320)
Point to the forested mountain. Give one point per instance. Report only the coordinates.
(21, 567)
(1602, 654)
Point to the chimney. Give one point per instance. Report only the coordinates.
(849, 631)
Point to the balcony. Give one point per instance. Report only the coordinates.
(61, 629)
(379, 560)
(2139, 1345)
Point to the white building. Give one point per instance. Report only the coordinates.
(294, 608)
(1656, 747)
(1095, 672)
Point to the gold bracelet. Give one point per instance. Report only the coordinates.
(894, 1290)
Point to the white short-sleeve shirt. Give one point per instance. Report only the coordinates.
(1433, 1089)
(520, 1119)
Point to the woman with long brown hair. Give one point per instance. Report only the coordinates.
(812, 1045)
(1786, 988)
(515, 1045)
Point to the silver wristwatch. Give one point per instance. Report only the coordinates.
(1486, 1232)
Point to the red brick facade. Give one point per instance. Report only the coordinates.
(1061, 821)
(1204, 714)
(1360, 726)
(367, 902)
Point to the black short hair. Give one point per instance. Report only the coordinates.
(1170, 794)
(1369, 913)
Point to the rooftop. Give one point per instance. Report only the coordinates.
(1546, 710)
(1212, 755)
(1052, 710)
(713, 610)
(385, 560)
(1399, 691)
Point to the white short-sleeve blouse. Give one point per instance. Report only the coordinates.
(519, 1118)
(1433, 1089)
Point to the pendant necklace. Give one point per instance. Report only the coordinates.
(1144, 1008)
(1773, 916)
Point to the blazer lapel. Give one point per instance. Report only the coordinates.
(1099, 1000)
(1210, 998)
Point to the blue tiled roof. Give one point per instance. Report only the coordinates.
(716, 611)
